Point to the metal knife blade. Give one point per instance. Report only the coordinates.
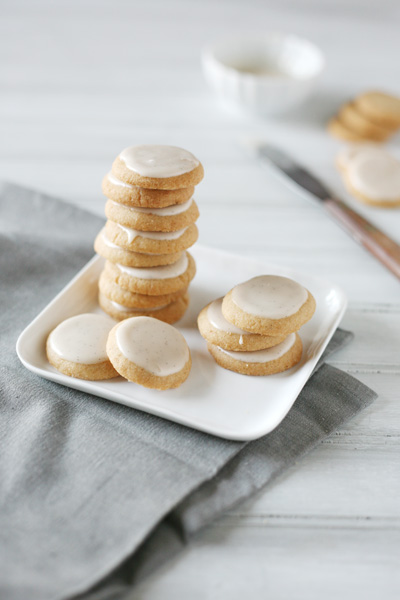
(295, 172)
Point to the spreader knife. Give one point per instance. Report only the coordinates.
(362, 231)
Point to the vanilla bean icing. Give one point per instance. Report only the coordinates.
(164, 272)
(82, 339)
(375, 175)
(110, 244)
(132, 234)
(270, 296)
(168, 211)
(115, 181)
(217, 320)
(153, 345)
(126, 309)
(158, 161)
(263, 356)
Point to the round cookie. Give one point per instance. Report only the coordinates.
(349, 153)
(374, 178)
(77, 347)
(158, 167)
(152, 242)
(171, 218)
(150, 353)
(116, 254)
(111, 290)
(132, 195)
(269, 305)
(218, 331)
(261, 362)
(341, 132)
(169, 314)
(355, 120)
(155, 280)
(383, 109)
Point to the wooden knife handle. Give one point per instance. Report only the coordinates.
(364, 232)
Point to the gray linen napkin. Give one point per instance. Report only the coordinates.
(95, 495)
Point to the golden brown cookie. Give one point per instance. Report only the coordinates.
(155, 280)
(116, 254)
(374, 178)
(218, 331)
(383, 109)
(152, 242)
(355, 121)
(131, 195)
(342, 132)
(158, 167)
(269, 305)
(150, 353)
(77, 347)
(170, 218)
(169, 314)
(261, 362)
(109, 287)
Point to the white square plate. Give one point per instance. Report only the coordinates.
(214, 400)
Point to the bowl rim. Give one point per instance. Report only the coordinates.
(208, 55)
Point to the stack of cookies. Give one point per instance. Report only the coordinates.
(253, 329)
(151, 222)
(371, 117)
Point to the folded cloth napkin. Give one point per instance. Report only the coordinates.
(95, 495)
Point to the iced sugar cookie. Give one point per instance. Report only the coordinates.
(171, 218)
(269, 305)
(132, 195)
(383, 109)
(158, 167)
(261, 362)
(170, 313)
(218, 331)
(149, 352)
(355, 120)
(374, 178)
(109, 287)
(77, 347)
(117, 254)
(154, 280)
(152, 242)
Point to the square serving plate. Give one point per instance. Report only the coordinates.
(212, 399)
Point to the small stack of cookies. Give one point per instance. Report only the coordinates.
(151, 216)
(371, 117)
(253, 329)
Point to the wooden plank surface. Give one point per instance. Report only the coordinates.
(79, 81)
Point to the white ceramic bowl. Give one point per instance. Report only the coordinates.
(265, 75)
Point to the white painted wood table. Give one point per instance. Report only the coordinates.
(82, 80)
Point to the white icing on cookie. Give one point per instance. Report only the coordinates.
(218, 321)
(158, 161)
(112, 179)
(164, 272)
(153, 345)
(263, 356)
(375, 175)
(349, 153)
(123, 308)
(168, 211)
(132, 234)
(82, 339)
(270, 296)
(110, 244)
